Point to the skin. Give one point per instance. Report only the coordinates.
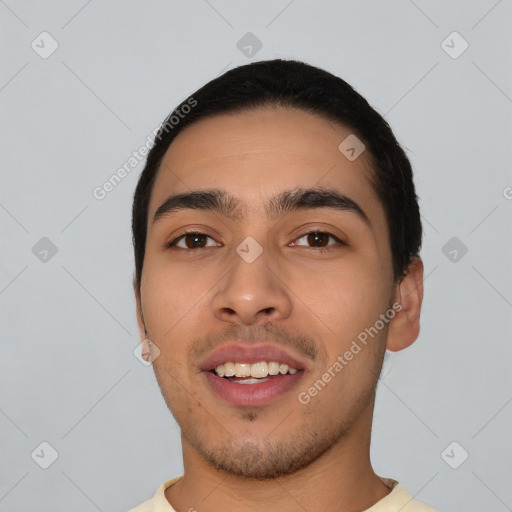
(314, 456)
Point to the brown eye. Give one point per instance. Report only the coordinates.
(319, 239)
(195, 240)
(191, 241)
(322, 239)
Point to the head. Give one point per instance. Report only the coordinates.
(307, 238)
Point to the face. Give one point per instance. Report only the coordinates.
(259, 287)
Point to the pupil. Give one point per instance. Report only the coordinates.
(195, 239)
(313, 238)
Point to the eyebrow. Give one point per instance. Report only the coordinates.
(222, 202)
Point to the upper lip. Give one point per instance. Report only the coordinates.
(243, 353)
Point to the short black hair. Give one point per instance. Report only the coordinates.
(295, 84)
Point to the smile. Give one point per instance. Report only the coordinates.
(257, 370)
(251, 375)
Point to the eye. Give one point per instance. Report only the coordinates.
(319, 238)
(191, 240)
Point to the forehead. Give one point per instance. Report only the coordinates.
(257, 154)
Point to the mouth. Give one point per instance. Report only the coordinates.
(251, 376)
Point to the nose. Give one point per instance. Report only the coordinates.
(252, 293)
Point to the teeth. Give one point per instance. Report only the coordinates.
(273, 368)
(242, 370)
(251, 381)
(258, 370)
(229, 369)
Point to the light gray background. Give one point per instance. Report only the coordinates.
(68, 374)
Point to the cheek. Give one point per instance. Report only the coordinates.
(169, 295)
(345, 298)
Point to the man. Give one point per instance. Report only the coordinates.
(276, 234)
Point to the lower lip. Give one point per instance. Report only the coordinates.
(252, 395)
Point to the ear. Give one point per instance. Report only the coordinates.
(140, 317)
(404, 328)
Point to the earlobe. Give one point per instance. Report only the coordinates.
(405, 326)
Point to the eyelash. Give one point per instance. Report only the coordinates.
(313, 231)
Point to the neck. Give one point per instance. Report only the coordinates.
(341, 480)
